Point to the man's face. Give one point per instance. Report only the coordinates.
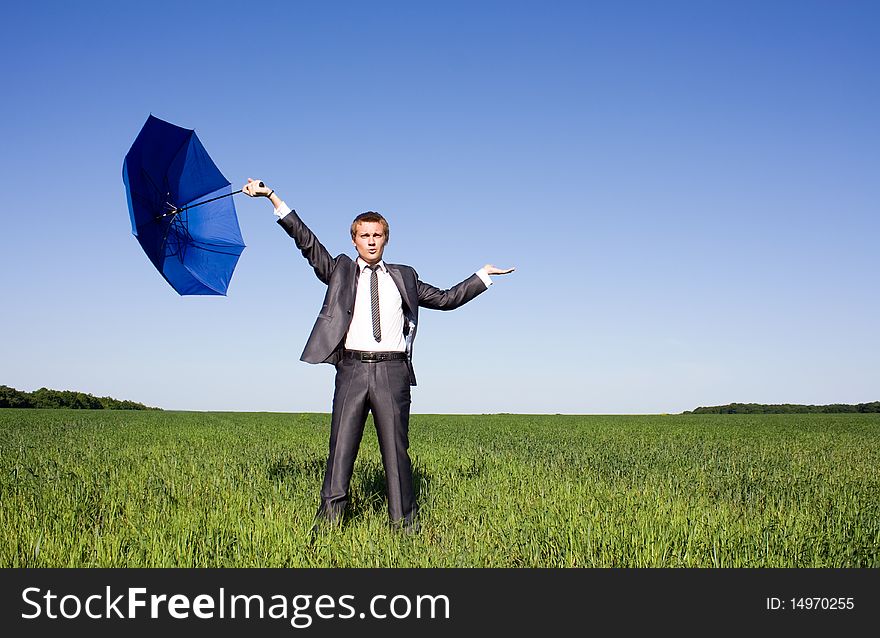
(369, 239)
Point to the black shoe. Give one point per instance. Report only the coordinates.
(323, 525)
(408, 527)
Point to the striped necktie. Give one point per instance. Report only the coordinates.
(374, 302)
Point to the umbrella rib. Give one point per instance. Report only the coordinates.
(218, 252)
(186, 141)
(216, 244)
(149, 179)
(180, 251)
(157, 197)
(198, 278)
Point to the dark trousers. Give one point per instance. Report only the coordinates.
(383, 389)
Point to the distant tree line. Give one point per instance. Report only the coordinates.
(46, 398)
(786, 408)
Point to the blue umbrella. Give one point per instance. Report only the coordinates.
(181, 210)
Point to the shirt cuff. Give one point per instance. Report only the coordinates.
(282, 210)
(482, 274)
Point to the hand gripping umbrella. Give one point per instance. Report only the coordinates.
(180, 208)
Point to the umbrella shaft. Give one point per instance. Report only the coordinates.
(188, 206)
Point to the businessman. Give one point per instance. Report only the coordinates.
(366, 329)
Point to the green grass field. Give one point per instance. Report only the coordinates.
(188, 489)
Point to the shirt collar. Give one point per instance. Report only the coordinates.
(362, 264)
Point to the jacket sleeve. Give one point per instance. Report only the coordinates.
(308, 243)
(437, 299)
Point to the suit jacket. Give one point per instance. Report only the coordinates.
(340, 274)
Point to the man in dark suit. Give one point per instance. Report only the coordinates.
(366, 328)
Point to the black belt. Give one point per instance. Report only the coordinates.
(363, 355)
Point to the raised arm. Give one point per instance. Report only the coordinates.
(312, 249)
(450, 299)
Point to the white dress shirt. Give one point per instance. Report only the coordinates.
(360, 332)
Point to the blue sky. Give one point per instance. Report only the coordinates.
(689, 192)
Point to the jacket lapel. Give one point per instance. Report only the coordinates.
(405, 293)
(353, 283)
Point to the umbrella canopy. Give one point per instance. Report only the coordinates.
(180, 208)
